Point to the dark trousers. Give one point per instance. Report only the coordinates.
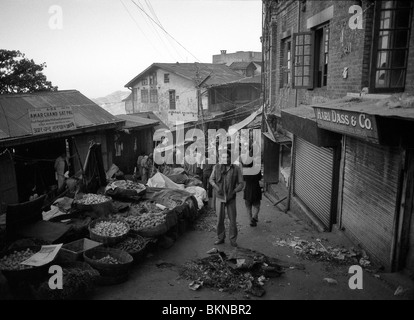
(221, 210)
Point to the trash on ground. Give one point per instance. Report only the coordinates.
(214, 250)
(195, 285)
(331, 281)
(401, 291)
(242, 269)
(318, 251)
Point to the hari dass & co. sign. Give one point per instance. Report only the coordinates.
(347, 122)
(52, 119)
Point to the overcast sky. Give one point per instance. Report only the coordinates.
(102, 44)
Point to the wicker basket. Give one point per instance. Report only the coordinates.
(171, 218)
(109, 273)
(25, 275)
(108, 241)
(137, 254)
(157, 231)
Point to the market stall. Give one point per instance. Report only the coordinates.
(101, 235)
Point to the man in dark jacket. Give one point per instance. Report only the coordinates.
(227, 180)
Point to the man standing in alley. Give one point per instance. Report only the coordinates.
(227, 180)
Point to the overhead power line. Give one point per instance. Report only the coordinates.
(129, 13)
(162, 28)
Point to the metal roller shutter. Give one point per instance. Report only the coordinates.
(369, 195)
(313, 178)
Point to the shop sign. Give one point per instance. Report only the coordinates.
(186, 116)
(352, 123)
(52, 119)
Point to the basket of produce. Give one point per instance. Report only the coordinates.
(100, 204)
(108, 231)
(147, 206)
(73, 251)
(79, 280)
(135, 245)
(13, 270)
(148, 224)
(125, 189)
(113, 265)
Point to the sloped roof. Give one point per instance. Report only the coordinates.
(135, 122)
(219, 73)
(395, 106)
(14, 111)
(239, 65)
(247, 80)
(128, 98)
(151, 115)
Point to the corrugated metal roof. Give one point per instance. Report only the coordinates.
(151, 115)
(246, 80)
(302, 111)
(239, 65)
(219, 73)
(14, 111)
(396, 106)
(135, 122)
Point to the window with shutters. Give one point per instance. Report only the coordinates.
(286, 62)
(145, 81)
(302, 66)
(153, 96)
(321, 56)
(172, 99)
(390, 46)
(144, 95)
(135, 94)
(153, 79)
(311, 58)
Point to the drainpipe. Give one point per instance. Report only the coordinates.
(292, 153)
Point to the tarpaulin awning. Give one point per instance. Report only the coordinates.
(238, 126)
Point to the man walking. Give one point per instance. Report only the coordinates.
(227, 180)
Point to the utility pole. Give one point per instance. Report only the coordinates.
(199, 99)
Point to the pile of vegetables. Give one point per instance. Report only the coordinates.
(13, 261)
(110, 228)
(132, 244)
(147, 206)
(108, 259)
(78, 280)
(127, 185)
(91, 198)
(145, 220)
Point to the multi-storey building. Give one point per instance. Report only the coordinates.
(338, 80)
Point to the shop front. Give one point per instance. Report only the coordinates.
(315, 166)
(375, 185)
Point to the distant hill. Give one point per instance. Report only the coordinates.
(113, 102)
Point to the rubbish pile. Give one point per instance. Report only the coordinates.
(242, 270)
(318, 251)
